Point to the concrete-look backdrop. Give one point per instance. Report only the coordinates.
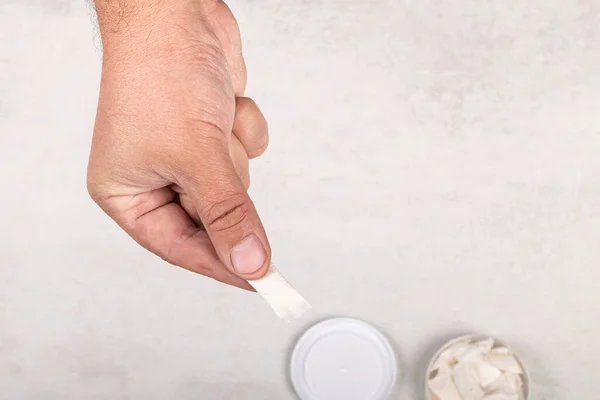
(434, 169)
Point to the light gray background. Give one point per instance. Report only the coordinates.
(434, 169)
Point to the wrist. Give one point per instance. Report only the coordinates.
(130, 27)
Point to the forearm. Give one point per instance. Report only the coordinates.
(121, 16)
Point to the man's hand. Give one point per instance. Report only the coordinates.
(169, 160)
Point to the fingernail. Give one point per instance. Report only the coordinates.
(248, 255)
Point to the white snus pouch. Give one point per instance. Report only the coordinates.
(287, 303)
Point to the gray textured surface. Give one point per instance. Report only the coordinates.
(434, 169)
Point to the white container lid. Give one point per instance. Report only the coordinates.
(343, 358)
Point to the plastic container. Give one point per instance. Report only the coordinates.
(474, 338)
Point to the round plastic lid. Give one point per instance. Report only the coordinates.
(343, 358)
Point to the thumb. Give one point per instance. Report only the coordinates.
(228, 214)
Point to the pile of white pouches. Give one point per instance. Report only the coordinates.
(481, 370)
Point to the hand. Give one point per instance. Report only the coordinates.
(169, 159)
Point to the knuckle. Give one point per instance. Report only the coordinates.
(94, 188)
(260, 145)
(263, 141)
(227, 214)
(245, 105)
(173, 251)
(258, 141)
